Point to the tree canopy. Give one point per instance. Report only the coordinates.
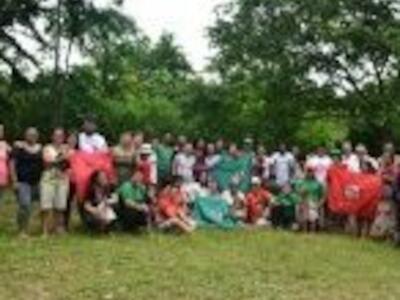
(300, 71)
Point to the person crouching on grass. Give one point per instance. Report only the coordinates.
(98, 209)
(172, 211)
(284, 208)
(257, 204)
(311, 194)
(134, 208)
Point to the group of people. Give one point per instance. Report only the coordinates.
(175, 184)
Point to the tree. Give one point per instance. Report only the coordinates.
(329, 55)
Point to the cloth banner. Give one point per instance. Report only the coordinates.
(353, 193)
(83, 165)
(213, 212)
(233, 170)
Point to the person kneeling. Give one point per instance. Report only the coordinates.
(172, 210)
(284, 208)
(257, 204)
(97, 211)
(134, 210)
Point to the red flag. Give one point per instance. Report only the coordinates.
(83, 165)
(353, 193)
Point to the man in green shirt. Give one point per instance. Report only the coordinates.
(134, 210)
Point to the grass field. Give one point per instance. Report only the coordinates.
(207, 265)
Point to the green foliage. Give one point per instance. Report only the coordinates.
(317, 132)
(278, 62)
(330, 56)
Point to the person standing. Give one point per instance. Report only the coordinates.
(311, 193)
(90, 140)
(5, 151)
(72, 145)
(262, 164)
(283, 166)
(54, 184)
(26, 170)
(367, 162)
(184, 162)
(212, 159)
(164, 152)
(320, 163)
(124, 155)
(200, 165)
(146, 164)
(350, 159)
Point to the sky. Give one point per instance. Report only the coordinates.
(186, 19)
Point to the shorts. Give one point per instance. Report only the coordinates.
(54, 194)
(308, 211)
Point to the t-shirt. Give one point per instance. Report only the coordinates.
(148, 168)
(290, 199)
(309, 189)
(183, 166)
(352, 162)
(320, 165)
(124, 162)
(262, 166)
(92, 142)
(28, 165)
(132, 192)
(283, 164)
(55, 162)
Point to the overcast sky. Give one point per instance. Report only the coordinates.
(186, 19)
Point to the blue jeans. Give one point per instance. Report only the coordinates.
(26, 193)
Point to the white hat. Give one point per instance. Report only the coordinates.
(361, 148)
(255, 180)
(146, 149)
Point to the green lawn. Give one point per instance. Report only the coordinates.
(207, 265)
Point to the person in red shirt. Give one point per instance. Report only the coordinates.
(147, 165)
(257, 204)
(171, 208)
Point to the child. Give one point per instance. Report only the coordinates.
(172, 212)
(310, 191)
(384, 224)
(284, 210)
